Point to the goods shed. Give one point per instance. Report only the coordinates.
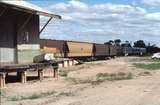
(19, 28)
(20, 31)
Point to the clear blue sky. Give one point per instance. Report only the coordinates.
(102, 20)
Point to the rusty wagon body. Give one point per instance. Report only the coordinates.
(57, 47)
(79, 49)
(101, 50)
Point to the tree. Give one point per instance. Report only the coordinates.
(117, 42)
(110, 42)
(140, 43)
(126, 44)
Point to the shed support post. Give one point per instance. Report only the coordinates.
(40, 74)
(45, 25)
(55, 70)
(55, 73)
(68, 63)
(65, 63)
(23, 76)
(72, 62)
(3, 11)
(61, 64)
(2, 80)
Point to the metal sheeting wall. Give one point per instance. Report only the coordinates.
(7, 36)
(77, 49)
(13, 32)
(101, 50)
(57, 47)
(28, 37)
(7, 55)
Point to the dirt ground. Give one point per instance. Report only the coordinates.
(142, 89)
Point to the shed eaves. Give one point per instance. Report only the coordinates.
(24, 5)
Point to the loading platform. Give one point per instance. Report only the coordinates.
(21, 70)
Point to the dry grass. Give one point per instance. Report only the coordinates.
(101, 77)
(63, 73)
(150, 66)
(113, 76)
(32, 96)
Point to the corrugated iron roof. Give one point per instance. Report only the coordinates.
(24, 5)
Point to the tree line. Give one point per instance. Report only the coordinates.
(151, 48)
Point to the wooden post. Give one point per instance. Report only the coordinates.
(2, 80)
(23, 75)
(65, 63)
(68, 63)
(60, 65)
(40, 74)
(55, 73)
(55, 70)
(72, 61)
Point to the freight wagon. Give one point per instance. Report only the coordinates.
(133, 51)
(79, 50)
(101, 51)
(57, 47)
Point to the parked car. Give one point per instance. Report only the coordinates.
(156, 56)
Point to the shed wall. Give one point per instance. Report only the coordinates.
(17, 34)
(7, 37)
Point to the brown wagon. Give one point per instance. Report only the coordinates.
(57, 47)
(101, 50)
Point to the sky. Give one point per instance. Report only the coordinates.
(102, 20)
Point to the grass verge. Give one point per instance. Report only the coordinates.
(63, 73)
(40, 95)
(101, 77)
(114, 76)
(150, 66)
(31, 97)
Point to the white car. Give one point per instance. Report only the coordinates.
(156, 56)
